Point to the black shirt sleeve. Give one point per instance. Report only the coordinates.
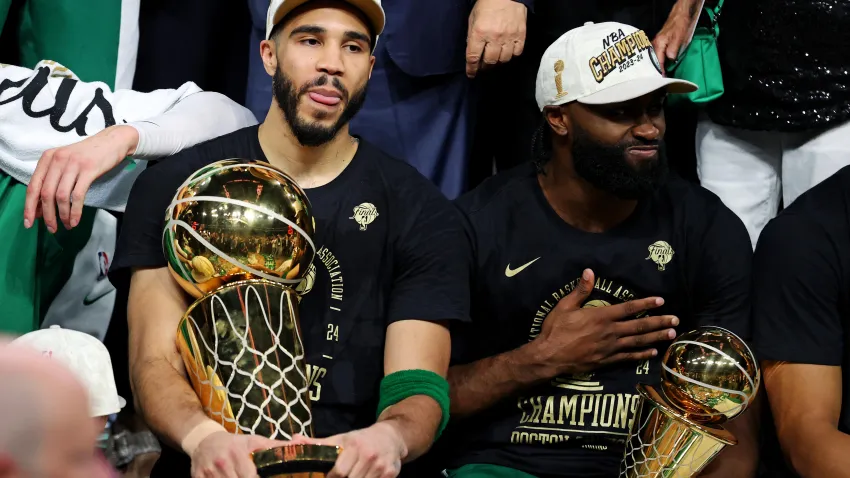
(723, 281)
(797, 290)
(140, 241)
(431, 274)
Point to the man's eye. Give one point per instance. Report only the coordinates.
(310, 41)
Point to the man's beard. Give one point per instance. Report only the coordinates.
(606, 168)
(311, 133)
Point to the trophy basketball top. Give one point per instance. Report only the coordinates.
(710, 375)
(235, 220)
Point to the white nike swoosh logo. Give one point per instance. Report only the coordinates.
(512, 272)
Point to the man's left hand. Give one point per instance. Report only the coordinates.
(64, 175)
(674, 33)
(374, 452)
(496, 34)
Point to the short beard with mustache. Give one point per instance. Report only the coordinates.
(312, 133)
(605, 166)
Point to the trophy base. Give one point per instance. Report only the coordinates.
(296, 461)
(666, 444)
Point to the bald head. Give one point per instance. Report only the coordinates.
(44, 412)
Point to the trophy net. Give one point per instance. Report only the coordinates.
(665, 445)
(245, 359)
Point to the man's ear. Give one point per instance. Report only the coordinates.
(267, 53)
(558, 120)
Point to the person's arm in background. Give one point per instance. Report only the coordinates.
(673, 35)
(60, 169)
(720, 285)
(496, 33)
(806, 403)
(799, 337)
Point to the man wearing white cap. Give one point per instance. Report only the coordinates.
(584, 262)
(375, 321)
(45, 429)
(88, 359)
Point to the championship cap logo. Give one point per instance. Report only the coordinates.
(602, 63)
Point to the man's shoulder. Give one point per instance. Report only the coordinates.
(819, 218)
(233, 145)
(397, 177)
(691, 196)
(498, 192)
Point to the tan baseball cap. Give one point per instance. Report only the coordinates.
(371, 8)
(86, 357)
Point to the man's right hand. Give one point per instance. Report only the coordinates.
(576, 340)
(227, 455)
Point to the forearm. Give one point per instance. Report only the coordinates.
(157, 373)
(691, 8)
(194, 119)
(416, 420)
(168, 403)
(741, 460)
(818, 451)
(479, 385)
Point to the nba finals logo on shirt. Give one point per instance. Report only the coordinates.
(365, 214)
(619, 52)
(660, 253)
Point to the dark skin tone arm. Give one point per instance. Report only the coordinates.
(572, 340)
(741, 460)
(806, 405)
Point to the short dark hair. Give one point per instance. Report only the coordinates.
(278, 27)
(541, 146)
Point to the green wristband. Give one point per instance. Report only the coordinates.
(397, 386)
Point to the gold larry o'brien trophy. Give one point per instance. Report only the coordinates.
(238, 239)
(708, 377)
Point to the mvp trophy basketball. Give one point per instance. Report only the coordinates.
(708, 376)
(238, 239)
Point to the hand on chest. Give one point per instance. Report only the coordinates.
(528, 283)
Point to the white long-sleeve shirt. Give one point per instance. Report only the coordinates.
(49, 107)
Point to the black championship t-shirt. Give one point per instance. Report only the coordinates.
(409, 262)
(682, 244)
(801, 293)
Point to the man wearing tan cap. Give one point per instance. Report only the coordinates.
(375, 320)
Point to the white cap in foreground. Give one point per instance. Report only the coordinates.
(87, 358)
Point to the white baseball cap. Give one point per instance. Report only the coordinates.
(87, 358)
(601, 63)
(371, 8)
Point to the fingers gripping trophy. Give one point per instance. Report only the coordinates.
(238, 238)
(708, 377)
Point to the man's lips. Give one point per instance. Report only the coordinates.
(643, 151)
(325, 96)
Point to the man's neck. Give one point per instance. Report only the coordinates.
(579, 203)
(309, 166)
